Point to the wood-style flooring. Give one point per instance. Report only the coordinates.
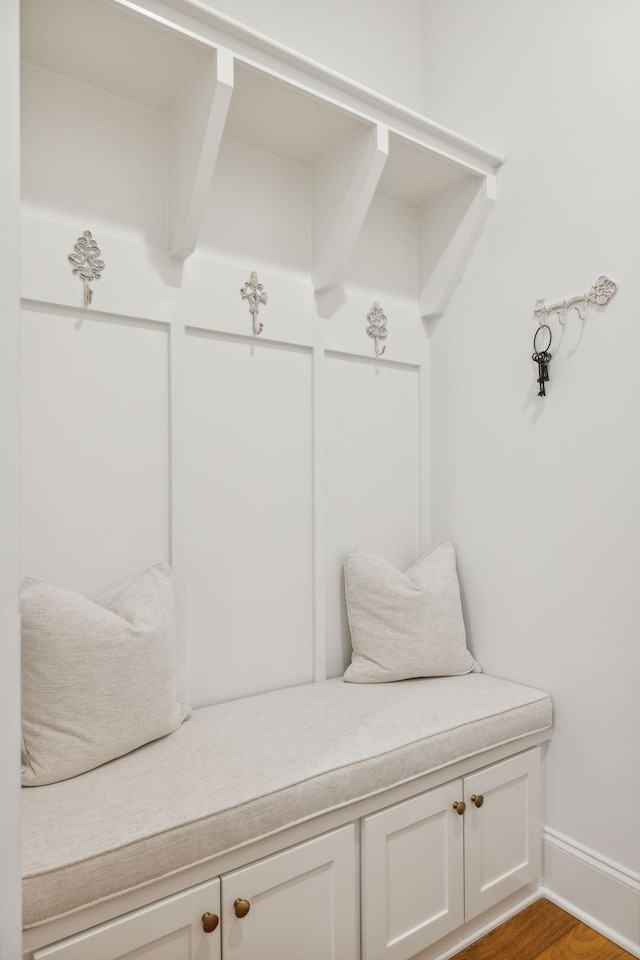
(543, 932)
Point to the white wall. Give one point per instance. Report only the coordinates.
(541, 495)
(10, 911)
(374, 42)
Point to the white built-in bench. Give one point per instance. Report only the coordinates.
(238, 772)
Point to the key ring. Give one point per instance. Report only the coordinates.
(543, 326)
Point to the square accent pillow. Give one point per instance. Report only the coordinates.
(98, 676)
(405, 625)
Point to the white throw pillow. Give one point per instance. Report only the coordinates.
(405, 625)
(98, 676)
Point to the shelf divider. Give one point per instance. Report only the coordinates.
(343, 186)
(196, 125)
(449, 228)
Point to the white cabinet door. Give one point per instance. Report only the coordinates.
(503, 836)
(303, 903)
(170, 929)
(412, 874)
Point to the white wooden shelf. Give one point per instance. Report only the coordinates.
(228, 96)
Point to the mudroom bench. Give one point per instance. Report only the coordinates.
(329, 820)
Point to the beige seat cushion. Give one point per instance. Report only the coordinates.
(311, 749)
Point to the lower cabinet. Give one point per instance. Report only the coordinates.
(170, 929)
(413, 874)
(435, 861)
(427, 865)
(302, 903)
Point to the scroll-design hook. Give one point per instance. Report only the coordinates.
(377, 327)
(87, 263)
(253, 291)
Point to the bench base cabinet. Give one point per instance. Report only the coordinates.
(302, 902)
(427, 867)
(440, 859)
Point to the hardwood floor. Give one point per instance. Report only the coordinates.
(543, 932)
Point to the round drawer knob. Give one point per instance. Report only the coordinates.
(209, 922)
(477, 800)
(241, 907)
(460, 806)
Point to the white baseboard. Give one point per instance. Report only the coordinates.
(603, 894)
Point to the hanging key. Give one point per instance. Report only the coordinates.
(542, 358)
(537, 358)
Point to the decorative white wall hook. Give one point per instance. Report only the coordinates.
(601, 292)
(87, 263)
(377, 327)
(254, 292)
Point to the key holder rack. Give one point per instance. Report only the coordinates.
(600, 293)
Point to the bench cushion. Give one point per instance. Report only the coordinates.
(239, 771)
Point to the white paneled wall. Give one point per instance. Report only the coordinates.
(249, 494)
(95, 461)
(373, 475)
(252, 464)
(254, 510)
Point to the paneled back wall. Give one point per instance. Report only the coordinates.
(157, 426)
(251, 464)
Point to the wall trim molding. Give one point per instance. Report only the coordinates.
(593, 888)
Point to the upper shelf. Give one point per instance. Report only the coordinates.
(77, 38)
(213, 77)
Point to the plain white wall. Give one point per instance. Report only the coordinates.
(10, 910)
(374, 42)
(541, 496)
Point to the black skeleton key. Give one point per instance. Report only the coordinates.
(546, 357)
(542, 359)
(541, 376)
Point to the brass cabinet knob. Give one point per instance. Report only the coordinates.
(241, 907)
(460, 806)
(209, 922)
(477, 800)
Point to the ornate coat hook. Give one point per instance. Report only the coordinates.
(254, 292)
(87, 263)
(377, 327)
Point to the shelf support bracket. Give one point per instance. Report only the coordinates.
(449, 228)
(196, 125)
(343, 187)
